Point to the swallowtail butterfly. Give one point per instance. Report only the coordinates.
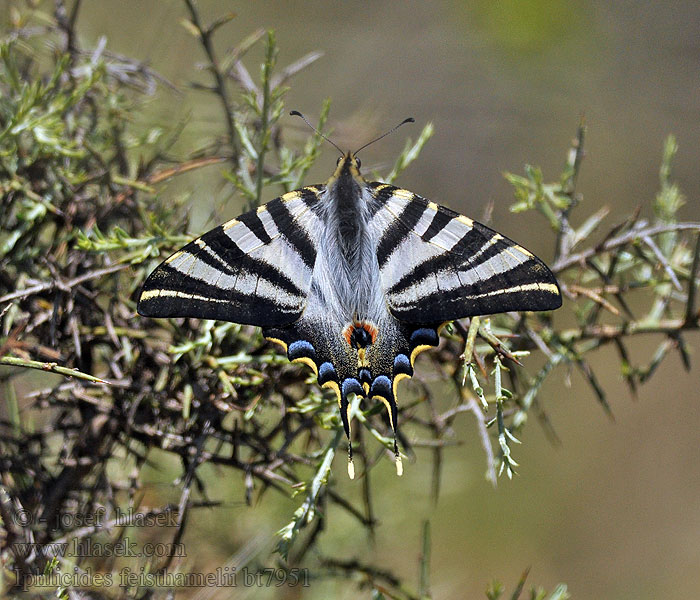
(353, 278)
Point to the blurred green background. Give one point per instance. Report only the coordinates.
(615, 511)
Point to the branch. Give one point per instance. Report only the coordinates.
(691, 316)
(205, 36)
(61, 285)
(579, 258)
(608, 333)
(49, 366)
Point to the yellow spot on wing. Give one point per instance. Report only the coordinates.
(335, 387)
(465, 220)
(405, 194)
(230, 224)
(395, 384)
(433, 206)
(362, 358)
(544, 287)
(417, 350)
(278, 341)
(150, 294)
(175, 294)
(307, 361)
(175, 256)
(388, 407)
(289, 196)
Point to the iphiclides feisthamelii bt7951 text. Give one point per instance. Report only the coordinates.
(353, 278)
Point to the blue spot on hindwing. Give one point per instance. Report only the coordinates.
(424, 336)
(365, 375)
(402, 365)
(352, 386)
(381, 386)
(326, 372)
(301, 348)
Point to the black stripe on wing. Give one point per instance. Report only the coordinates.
(398, 230)
(237, 261)
(296, 236)
(439, 222)
(254, 223)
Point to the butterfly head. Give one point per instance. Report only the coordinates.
(348, 168)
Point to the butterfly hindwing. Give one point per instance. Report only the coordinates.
(255, 269)
(372, 369)
(438, 265)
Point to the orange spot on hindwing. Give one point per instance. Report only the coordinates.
(360, 334)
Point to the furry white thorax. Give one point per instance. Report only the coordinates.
(346, 273)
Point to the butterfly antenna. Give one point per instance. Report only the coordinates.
(409, 120)
(296, 113)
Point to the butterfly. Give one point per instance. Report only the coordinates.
(352, 278)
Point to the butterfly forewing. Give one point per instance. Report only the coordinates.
(254, 270)
(438, 265)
